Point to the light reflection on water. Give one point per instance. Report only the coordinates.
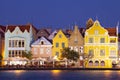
(60, 75)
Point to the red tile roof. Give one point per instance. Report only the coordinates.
(112, 31)
(22, 27)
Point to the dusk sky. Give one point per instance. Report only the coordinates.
(59, 13)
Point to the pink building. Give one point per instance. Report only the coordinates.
(42, 49)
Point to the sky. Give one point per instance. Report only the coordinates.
(59, 13)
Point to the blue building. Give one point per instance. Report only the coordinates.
(17, 40)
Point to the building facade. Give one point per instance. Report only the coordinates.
(42, 48)
(2, 40)
(76, 42)
(43, 32)
(101, 45)
(60, 41)
(17, 40)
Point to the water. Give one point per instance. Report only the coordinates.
(59, 75)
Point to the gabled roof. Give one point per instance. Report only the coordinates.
(52, 35)
(43, 32)
(46, 41)
(111, 31)
(22, 27)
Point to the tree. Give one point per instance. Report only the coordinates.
(27, 54)
(70, 54)
(86, 58)
(89, 23)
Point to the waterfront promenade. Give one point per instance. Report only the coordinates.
(37, 68)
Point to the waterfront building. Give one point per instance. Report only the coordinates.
(76, 42)
(41, 50)
(60, 41)
(2, 40)
(52, 35)
(43, 32)
(17, 40)
(101, 45)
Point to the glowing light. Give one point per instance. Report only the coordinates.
(107, 73)
(18, 72)
(56, 72)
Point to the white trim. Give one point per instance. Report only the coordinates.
(16, 48)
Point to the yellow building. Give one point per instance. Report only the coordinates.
(102, 43)
(59, 42)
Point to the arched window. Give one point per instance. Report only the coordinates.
(96, 63)
(102, 63)
(90, 63)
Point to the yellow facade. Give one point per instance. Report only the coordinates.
(101, 45)
(59, 42)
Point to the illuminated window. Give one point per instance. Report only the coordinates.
(76, 40)
(102, 63)
(112, 53)
(96, 63)
(47, 50)
(90, 40)
(90, 63)
(96, 32)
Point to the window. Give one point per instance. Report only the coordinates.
(63, 44)
(90, 40)
(23, 43)
(112, 53)
(47, 50)
(12, 53)
(90, 63)
(35, 50)
(76, 49)
(60, 36)
(41, 50)
(19, 42)
(76, 41)
(102, 52)
(42, 43)
(57, 54)
(81, 49)
(102, 63)
(102, 40)
(96, 63)
(91, 53)
(57, 44)
(9, 43)
(9, 53)
(12, 43)
(96, 32)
